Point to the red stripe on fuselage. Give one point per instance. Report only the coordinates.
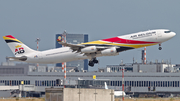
(10, 36)
(120, 40)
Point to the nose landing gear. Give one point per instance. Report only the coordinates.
(160, 48)
(92, 62)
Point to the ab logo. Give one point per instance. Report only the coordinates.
(19, 49)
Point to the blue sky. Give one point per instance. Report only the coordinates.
(28, 19)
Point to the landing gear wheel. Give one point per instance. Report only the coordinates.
(95, 61)
(160, 48)
(91, 63)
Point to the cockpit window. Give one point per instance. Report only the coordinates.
(167, 31)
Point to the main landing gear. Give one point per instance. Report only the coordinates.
(160, 47)
(93, 61)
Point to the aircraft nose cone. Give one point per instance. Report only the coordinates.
(173, 34)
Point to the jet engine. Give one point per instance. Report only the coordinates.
(110, 51)
(89, 49)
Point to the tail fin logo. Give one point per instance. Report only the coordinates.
(18, 46)
(19, 49)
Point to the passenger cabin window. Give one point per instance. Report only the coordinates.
(167, 31)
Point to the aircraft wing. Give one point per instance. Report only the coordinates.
(88, 49)
(77, 47)
(71, 45)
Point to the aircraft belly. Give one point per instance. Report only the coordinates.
(65, 57)
(68, 56)
(55, 57)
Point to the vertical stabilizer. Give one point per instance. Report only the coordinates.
(16, 46)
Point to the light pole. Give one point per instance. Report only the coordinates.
(123, 83)
(64, 63)
(37, 40)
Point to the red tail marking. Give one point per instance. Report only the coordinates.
(10, 36)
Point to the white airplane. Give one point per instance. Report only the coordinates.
(89, 50)
(116, 93)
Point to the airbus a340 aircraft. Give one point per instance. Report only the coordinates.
(89, 50)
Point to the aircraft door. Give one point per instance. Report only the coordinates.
(159, 34)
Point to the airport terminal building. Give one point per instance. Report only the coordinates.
(158, 79)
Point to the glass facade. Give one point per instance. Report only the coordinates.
(96, 83)
(74, 39)
(131, 83)
(45, 83)
(14, 82)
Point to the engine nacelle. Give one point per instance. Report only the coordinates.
(90, 49)
(110, 51)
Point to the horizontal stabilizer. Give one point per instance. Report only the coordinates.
(22, 58)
